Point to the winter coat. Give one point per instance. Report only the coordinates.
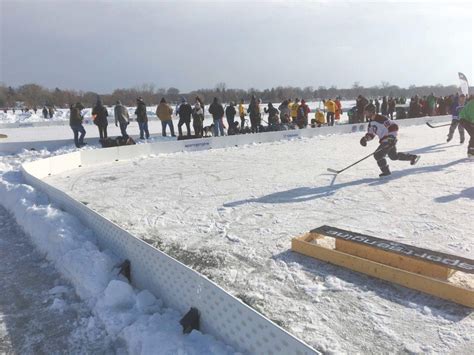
(242, 112)
(294, 110)
(121, 114)
(230, 112)
(75, 117)
(164, 111)
(284, 110)
(184, 111)
(216, 110)
(319, 116)
(254, 110)
(141, 112)
(467, 113)
(100, 113)
(330, 105)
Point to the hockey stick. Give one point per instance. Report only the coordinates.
(3, 135)
(443, 125)
(357, 162)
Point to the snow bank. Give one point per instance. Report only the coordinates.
(134, 316)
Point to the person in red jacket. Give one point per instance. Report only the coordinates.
(387, 131)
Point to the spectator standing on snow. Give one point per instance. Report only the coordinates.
(294, 109)
(284, 112)
(361, 102)
(142, 119)
(331, 111)
(431, 101)
(165, 114)
(302, 115)
(217, 112)
(391, 107)
(384, 106)
(230, 113)
(387, 131)
(467, 121)
(121, 118)
(75, 122)
(242, 114)
(184, 111)
(51, 111)
(377, 105)
(254, 114)
(338, 109)
(45, 112)
(272, 114)
(198, 118)
(99, 115)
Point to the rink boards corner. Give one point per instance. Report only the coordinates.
(420, 269)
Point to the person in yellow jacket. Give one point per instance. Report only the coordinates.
(319, 116)
(338, 109)
(294, 109)
(164, 112)
(331, 107)
(242, 113)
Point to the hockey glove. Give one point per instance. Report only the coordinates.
(363, 141)
(390, 141)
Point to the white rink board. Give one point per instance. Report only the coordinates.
(178, 286)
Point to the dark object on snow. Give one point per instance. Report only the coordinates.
(190, 321)
(125, 270)
(192, 136)
(116, 142)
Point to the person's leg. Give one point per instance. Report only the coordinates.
(140, 127)
(170, 123)
(461, 134)
(101, 133)
(123, 130)
(452, 128)
(180, 123)
(188, 127)
(221, 127)
(163, 128)
(469, 127)
(379, 156)
(83, 133)
(105, 131)
(76, 134)
(216, 128)
(394, 155)
(145, 128)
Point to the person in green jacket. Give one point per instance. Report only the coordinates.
(466, 117)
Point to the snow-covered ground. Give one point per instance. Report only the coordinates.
(91, 308)
(231, 214)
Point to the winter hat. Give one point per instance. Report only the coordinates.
(118, 102)
(162, 100)
(183, 99)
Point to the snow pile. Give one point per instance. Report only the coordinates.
(134, 316)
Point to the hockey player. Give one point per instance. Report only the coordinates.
(467, 121)
(457, 107)
(386, 130)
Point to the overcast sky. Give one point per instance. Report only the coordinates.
(103, 45)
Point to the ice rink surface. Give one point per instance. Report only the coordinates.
(231, 213)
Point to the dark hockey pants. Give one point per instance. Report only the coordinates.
(391, 150)
(469, 127)
(452, 129)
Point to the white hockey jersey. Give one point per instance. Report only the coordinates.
(382, 127)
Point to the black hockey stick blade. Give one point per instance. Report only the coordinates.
(333, 171)
(443, 125)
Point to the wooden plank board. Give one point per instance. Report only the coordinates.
(396, 260)
(432, 286)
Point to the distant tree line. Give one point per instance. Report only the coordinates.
(33, 95)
